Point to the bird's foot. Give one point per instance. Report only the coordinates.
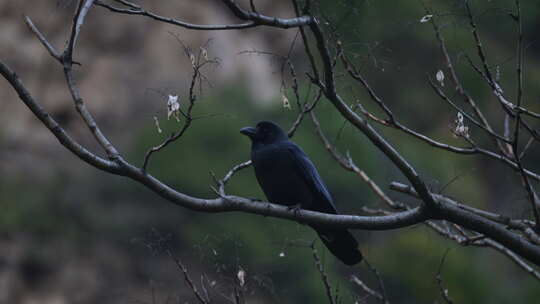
(295, 208)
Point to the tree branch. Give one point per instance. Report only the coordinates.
(255, 19)
(60, 134)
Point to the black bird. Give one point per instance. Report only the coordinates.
(288, 177)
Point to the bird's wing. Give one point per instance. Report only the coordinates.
(306, 170)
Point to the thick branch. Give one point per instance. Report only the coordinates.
(222, 204)
(255, 19)
(53, 126)
(489, 228)
(260, 19)
(361, 124)
(433, 208)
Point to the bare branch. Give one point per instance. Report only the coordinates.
(514, 238)
(260, 19)
(505, 220)
(384, 297)
(361, 124)
(141, 12)
(455, 79)
(187, 277)
(515, 143)
(78, 21)
(348, 164)
(198, 63)
(127, 3)
(469, 151)
(510, 254)
(392, 122)
(482, 126)
(367, 289)
(355, 74)
(52, 51)
(229, 175)
(66, 60)
(322, 272)
(443, 291)
(479, 46)
(307, 48)
(54, 127)
(470, 220)
(254, 19)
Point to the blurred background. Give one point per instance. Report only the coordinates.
(72, 234)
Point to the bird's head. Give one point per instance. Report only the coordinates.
(266, 132)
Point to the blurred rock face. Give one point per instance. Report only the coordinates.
(125, 59)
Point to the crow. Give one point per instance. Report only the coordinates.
(288, 177)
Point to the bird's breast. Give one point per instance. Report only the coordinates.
(279, 179)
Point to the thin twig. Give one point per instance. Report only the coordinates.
(198, 63)
(367, 289)
(307, 48)
(229, 175)
(457, 82)
(66, 59)
(52, 51)
(384, 297)
(479, 240)
(60, 133)
(187, 277)
(348, 164)
(255, 19)
(322, 272)
(443, 291)
(482, 126)
(127, 3)
(515, 143)
(521, 225)
(307, 108)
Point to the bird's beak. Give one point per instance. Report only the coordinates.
(249, 132)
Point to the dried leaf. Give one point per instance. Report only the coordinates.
(440, 78)
(241, 275)
(426, 18)
(156, 121)
(173, 107)
(192, 58)
(460, 130)
(204, 53)
(286, 103)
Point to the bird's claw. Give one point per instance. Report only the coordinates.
(295, 208)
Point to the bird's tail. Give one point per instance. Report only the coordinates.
(341, 244)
